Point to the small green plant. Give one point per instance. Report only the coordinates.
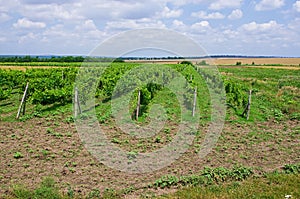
(70, 192)
(167, 130)
(95, 193)
(166, 181)
(292, 168)
(131, 155)
(116, 141)
(18, 155)
(110, 193)
(158, 139)
(26, 165)
(278, 115)
(45, 152)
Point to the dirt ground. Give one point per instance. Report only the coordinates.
(53, 148)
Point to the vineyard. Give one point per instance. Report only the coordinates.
(44, 141)
(50, 86)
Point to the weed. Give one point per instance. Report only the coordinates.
(166, 181)
(26, 165)
(70, 192)
(292, 168)
(278, 115)
(158, 139)
(95, 193)
(18, 155)
(45, 152)
(131, 155)
(116, 141)
(46, 190)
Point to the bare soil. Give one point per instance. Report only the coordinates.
(53, 148)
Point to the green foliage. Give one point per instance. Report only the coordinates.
(166, 181)
(95, 193)
(206, 177)
(5, 93)
(27, 58)
(46, 190)
(292, 168)
(118, 60)
(202, 63)
(235, 94)
(18, 155)
(278, 115)
(273, 186)
(186, 62)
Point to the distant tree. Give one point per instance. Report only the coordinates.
(186, 62)
(203, 63)
(118, 60)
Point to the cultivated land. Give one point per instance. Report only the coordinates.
(232, 61)
(44, 142)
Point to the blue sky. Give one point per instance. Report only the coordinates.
(75, 27)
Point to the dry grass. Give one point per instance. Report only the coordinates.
(260, 61)
(231, 61)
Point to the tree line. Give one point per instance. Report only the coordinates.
(28, 58)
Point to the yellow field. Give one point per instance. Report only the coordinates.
(231, 61)
(260, 61)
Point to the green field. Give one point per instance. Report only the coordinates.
(42, 154)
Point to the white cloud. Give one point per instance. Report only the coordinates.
(127, 24)
(236, 14)
(4, 17)
(221, 4)
(3, 39)
(200, 27)
(167, 13)
(179, 3)
(177, 23)
(231, 34)
(87, 25)
(6, 6)
(296, 6)
(27, 37)
(205, 15)
(45, 1)
(50, 12)
(269, 5)
(294, 25)
(89, 30)
(263, 27)
(26, 23)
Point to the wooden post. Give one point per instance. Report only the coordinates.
(24, 105)
(76, 102)
(195, 101)
(23, 102)
(138, 105)
(247, 109)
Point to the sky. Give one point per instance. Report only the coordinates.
(221, 27)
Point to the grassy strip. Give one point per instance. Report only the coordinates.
(211, 183)
(271, 186)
